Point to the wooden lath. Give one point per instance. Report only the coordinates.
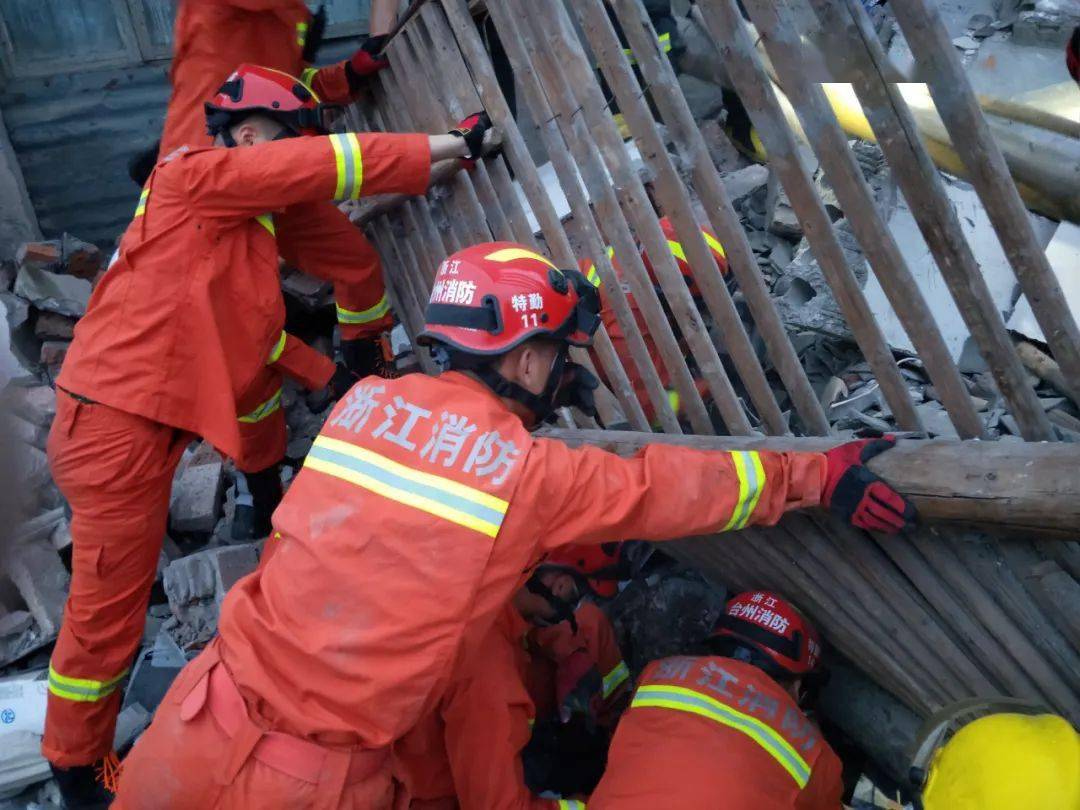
(938, 615)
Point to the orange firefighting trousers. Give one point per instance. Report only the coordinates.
(116, 471)
(252, 768)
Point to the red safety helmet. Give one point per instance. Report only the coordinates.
(600, 567)
(677, 251)
(491, 297)
(255, 89)
(773, 628)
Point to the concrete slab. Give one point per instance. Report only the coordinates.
(988, 253)
(1063, 253)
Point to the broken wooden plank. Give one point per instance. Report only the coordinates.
(1029, 486)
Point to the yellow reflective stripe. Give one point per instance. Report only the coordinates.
(472, 508)
(350, 165)
(267, 221)
(308, 76)
(263, 411)
(665, 42)
(593, 276)
(674, 400)
(752, 479)
(712, 242)
(571, 804)
(140, 209)
(301, 33)
(510, 254)
(676, 250)
(82, 690)
(279, 347)
(616, 678)
(374, 313)
(682, 699)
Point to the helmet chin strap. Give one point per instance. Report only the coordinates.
(541, 405)
(564, 611)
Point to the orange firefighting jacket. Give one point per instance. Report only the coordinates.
(190, 309)
(718, 733)
(418, 511)
(595, 636)
(470, 747)
(212, 37)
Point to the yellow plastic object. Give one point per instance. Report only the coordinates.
(1007, 762)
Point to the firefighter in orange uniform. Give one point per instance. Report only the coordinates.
(726, 731)
(468, 753)
(615, 332)
(210, 38)
(407, 531)
(540, 664)
(162, 356)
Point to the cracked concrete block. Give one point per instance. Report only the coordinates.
(196, 498)
(42, 581)
(36, 404)
(53, 292)
(206, 575)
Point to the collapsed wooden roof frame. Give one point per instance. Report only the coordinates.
(935, 616)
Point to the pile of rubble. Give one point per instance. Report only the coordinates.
(44, 293)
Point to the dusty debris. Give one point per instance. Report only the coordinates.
(196, 496)
(53, 292)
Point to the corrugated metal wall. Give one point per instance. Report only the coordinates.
(74, 132)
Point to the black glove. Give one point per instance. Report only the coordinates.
(577, 389)
(473, 128)
(314, 38)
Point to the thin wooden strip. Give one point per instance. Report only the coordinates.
(517, 154)
(939, 65)
(674, 198)
(897, 133)
(953, 611)
(523, 45)
(568, 178)
(964, 674)
(669, 99)
(997, 622)
(504, 188)
(1001, 575)
(900, 636)
(725, 24)
(785, 48)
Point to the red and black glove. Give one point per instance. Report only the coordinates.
(473, 128)
(859, 496)
(579, 688)
(367, 60)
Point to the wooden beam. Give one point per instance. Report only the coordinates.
(1008, 485)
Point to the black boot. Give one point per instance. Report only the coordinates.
(88, 787)
(257, 496)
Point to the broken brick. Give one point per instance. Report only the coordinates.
(81, 259)
(36, 404)
(39, 255)
(42, 582)
(52, 326)
(196, 498)
(53, 352)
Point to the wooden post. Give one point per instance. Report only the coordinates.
(848, 31)
(829, 143)
(725, 24)
(1028, 486)
(568, 178)
(571, 86)
(939, 65)
(525, 171)
(675, 200)
(668, 97)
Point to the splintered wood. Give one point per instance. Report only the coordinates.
(935, 616)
